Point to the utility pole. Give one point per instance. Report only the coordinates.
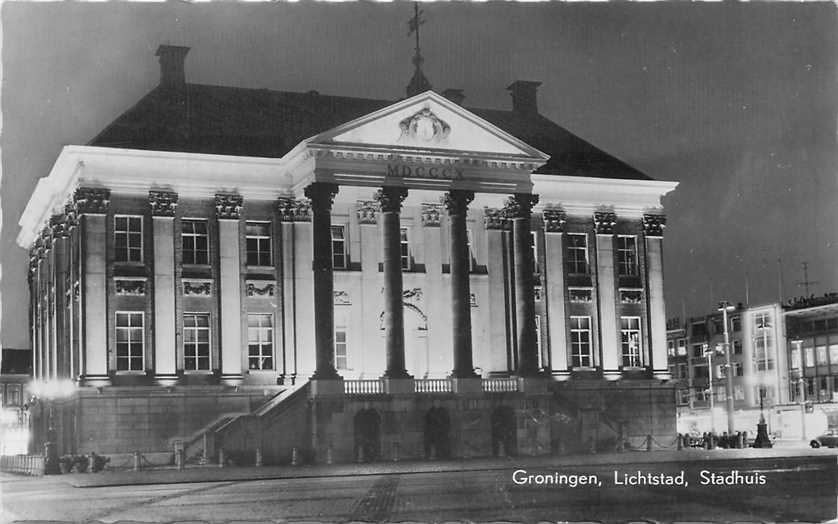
(806, 282)
(725, 307)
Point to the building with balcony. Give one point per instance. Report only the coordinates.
(241, 269)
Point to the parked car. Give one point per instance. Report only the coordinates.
(828, 440)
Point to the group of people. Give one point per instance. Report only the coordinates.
(710, 440)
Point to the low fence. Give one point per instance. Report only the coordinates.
(500, 384)
(22, 464)
(432, 385)
(363, 387)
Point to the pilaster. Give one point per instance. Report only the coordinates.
(495, 223)
(92, 204)
(653, 226)
(163, 205)
(554, 220)
(228, 211)
(604, 223)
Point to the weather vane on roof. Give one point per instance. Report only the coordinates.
(418, 83)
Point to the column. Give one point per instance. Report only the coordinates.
(554, 220)
(456, 203)
(390, 199)
(604, 223)
(92, 205)
(322, 195)
(163, 204)
(518, 210)
(653, 226)
(228, 210)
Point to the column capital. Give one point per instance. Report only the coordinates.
(520, 205)
(367, 210)
(494, 218)
(554, 219)
(431, 214)
(457, 200)
(60, 226)
(228, 206)
(163, 203)
(291, 209)
(92, 200)
(390, 198)
(653, 225)
(604, 222)
(321, 195)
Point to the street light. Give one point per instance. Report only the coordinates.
(709, 354)
(801, 392)
(724, 307)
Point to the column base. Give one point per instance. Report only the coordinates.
(326, 387)
(533, 384)
(232, 379)
(561, 375)
(398, 386)
(326, 375)
(662, 374)
(166, 380)
(96, 381)
(612, 374)
(467, 385)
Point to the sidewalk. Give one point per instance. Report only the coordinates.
(227, 474)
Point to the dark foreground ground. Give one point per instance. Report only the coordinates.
(796, 488)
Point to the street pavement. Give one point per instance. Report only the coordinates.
(800, 485)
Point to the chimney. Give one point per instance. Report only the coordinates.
(524, 96)
(454, 95)
(172, 58)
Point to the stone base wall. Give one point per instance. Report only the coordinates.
(123, 420)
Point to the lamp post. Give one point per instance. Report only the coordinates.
(724, 307)
(709, 354)
(801, 392)
(762, 440)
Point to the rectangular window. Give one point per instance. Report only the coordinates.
(195, 242)
(762, 321)
(472, 255)
(737, 347)
(128, 238)
(580, 342)
(682, 371)
(809, 352)
(738, 369)
(534, 240)
(736, 323)
(405, 250)
(260, 348)
(795, 358)
(258, 242)
(630, 341)
(700, 372)
(698, 350)
(682, 346)
(130, 339)
(341, 347)
(820, 355)
(339, 247)
(833, 351)
(627, 255)
(577, 253)
(196, 342)
(762, 352)
(670, 348)
(683, 396)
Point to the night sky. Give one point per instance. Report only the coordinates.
(736, 102)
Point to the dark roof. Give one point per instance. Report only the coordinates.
(266, 123)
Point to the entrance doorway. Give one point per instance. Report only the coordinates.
(367, 435)
(437, 433)
(503, 431)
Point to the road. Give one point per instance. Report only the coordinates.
(799, 489)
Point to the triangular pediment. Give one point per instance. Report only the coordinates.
(428, 121)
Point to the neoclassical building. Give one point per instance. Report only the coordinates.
(235, 269)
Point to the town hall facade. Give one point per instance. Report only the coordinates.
(261, 271)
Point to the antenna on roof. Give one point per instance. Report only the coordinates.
(806, 282)
(418, 83)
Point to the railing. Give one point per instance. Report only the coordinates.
(500, 384)
(432, 385)
(23, 464)
(363, 387)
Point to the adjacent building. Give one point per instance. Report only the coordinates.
(240, 269)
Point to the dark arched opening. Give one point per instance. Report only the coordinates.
(437, 433)
(367, 435)
(503, 431)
